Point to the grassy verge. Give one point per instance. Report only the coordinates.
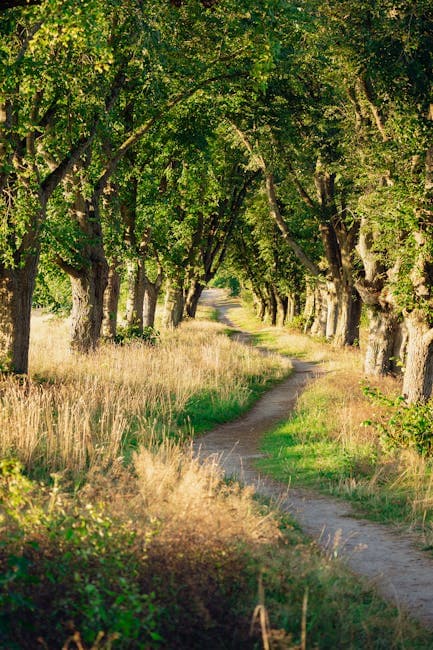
(156, 552)
(77, 413)
(334, 443)
(134, 560)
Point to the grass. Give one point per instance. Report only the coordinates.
(134, 560)
(131, 543)
(332, 444)
(77, 413)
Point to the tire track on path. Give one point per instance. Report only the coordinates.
(389, 559)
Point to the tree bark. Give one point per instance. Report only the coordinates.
(418, 374)
(292, 307)
(332, 308)
(89, 279)
(87, 305)
(136, 290)
(282, 305)
(318, 328)
(173, 307)
(382, 330)
(111, 302)
(272, 305)
(192, 298)
(309, 308)
(151, 292)
(261, 308)
(16, 291)
(349, 314)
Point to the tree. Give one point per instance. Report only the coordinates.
(49, 65)
(386, 53)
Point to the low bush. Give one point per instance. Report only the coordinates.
(408, 426)
(130, 333)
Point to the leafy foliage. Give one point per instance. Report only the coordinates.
(409, 425)
(133, 333)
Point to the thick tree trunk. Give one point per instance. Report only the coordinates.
(349, 314)
(259, 305)
(192, 298)
(292, 307)
(87, 305)
(173, 306)
(418, 374)
(309, 309)
(151, 292)
(399, 352)
(332, 307)
(136, 289)
(261, 312)
(111, 302)
(16, 291)
(282, 305)
(382, 331)
(318, 327)
(272, 305)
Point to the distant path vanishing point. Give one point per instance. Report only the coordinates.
(400, 572)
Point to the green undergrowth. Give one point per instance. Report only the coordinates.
(80, 573)
(328, 446)
(349, 440)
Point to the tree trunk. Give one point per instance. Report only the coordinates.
(272, 305)
(418, 374)
(193, 296)
(111, 302)
(151, 292)
(260, 305)
(282, 303)
(136, 289)
(292, 307)
(16, 291)
(173, 307)
(399, 352)
(332, 310)
(87, 305)
(309, 308)
(349, 314)
(318, 327)
(382, 330)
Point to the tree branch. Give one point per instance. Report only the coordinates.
(141, 131)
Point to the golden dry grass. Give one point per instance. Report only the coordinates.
(76, 412)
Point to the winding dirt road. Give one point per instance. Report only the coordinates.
(400, 571)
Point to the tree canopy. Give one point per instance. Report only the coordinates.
(156, 141)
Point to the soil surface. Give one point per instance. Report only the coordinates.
(389, 559)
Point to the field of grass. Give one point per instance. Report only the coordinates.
(338, 440)
(77, 413)
(114, 536)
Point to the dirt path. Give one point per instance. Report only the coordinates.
(389, 559)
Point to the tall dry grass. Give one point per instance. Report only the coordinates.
(76, 412)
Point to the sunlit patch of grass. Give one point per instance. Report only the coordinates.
(76, 412)
(328, 445)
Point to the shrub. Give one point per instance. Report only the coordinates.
(69, 569)
(410, 425)
(132, 333)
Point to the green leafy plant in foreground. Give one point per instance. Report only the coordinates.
(410, 425)
(68, 567)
